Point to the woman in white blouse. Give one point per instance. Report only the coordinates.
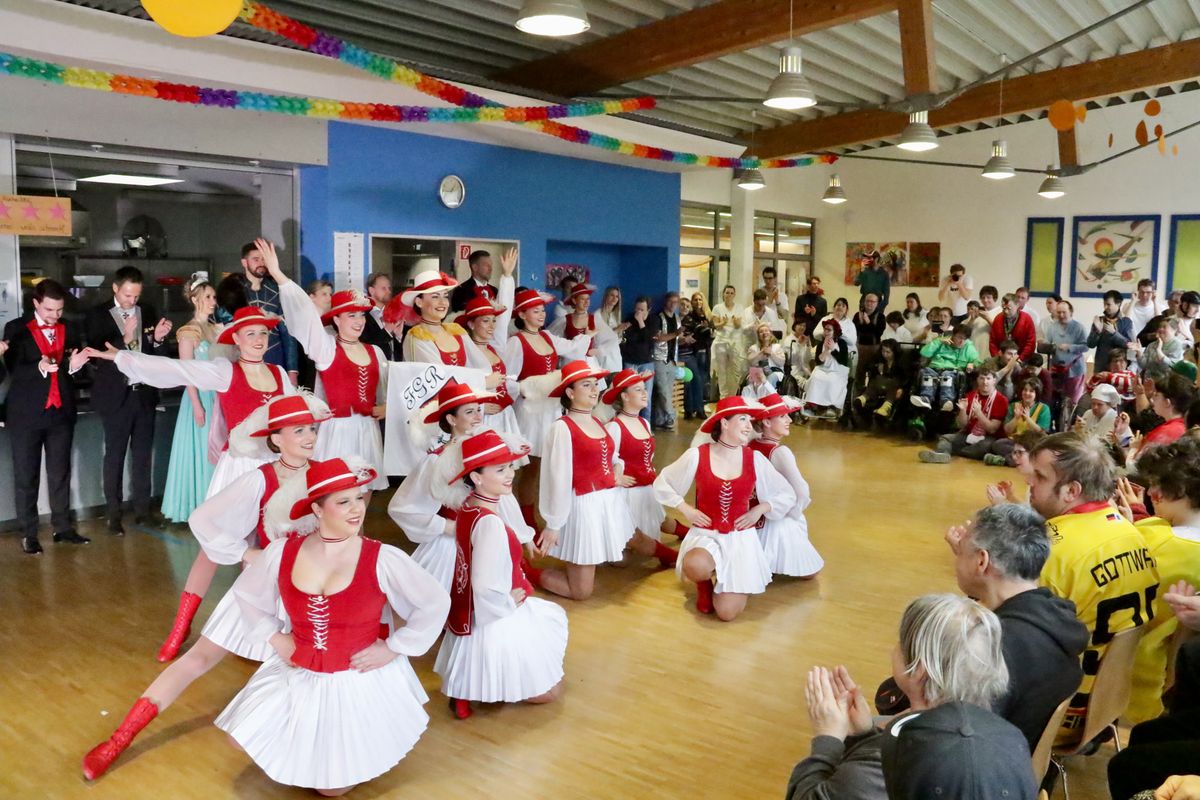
(729, 343)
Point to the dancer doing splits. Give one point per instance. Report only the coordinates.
(502, 644)
(232, 526)
(735, 488)
(785, 540)
(635, 448)
(335, 705)
(587, 519)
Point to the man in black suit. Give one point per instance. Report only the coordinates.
(478, 284)
(41, 352)
(379, 289)
(127, 410)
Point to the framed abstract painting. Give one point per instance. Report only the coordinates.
(1043, 254)
(1113, 252)
(1183, 257)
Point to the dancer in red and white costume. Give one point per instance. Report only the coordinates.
(502, 644)
(429, 524)
(785, 541)
(241, 385)
(232, 526)
(587, 519)
(635, 447)
(735, 488)
(353, 374)
(605, 347)
(335, 705)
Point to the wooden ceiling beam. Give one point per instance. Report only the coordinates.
(1131, 72)
(917, 47)
(1068, 152)
(729, 26)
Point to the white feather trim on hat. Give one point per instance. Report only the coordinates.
(243, 445)
(277, 521)
(445, 467)
(538, 387)
(425, 436)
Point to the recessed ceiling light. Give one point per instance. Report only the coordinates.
(553, 17)
(131, 180)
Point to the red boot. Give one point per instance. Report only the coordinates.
(665, 555)
(533, 573)
(461, 708)
(188, 603)
(101, 757)
(704, 597)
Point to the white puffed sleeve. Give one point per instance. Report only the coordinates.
(604, 336)
(506, 292)
(784, 461)
(491, 571)
(556, 492)
(416, 597)
(167, 373)
(558, 327)
(772, 488)
(223, 523)
(510, 511)
(476, 358)
(514, 357)
(571, 349)
(615, 429)
(304, 324)
(257, 593)
(414, 508)
(676, 479)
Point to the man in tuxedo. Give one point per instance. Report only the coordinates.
(41, 353)
(126, 409)
(379, 289)
(478, 284)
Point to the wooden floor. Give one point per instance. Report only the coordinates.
(659, 702)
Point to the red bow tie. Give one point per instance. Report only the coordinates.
(47, 327)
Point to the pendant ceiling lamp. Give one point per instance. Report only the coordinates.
(553, 17)
(835, 194)
(998, 166)
(918, 136)
(789, 89)
(1052, 187)
(750, 179)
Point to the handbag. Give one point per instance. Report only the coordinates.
(788, 385)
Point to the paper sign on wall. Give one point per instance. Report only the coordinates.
(410, 386)
(348, 261)
(464, 252)
(28, 215)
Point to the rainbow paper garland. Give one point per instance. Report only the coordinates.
(297, 106)
(324, 44)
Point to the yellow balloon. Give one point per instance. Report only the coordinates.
(193, 17)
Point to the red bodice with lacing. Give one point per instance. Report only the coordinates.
(592, 459)
(638, 454)
(723, 501)
(351, 388)
(241, 399)
(535, 363)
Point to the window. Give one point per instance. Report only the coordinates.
(785, 243)
(704, 237)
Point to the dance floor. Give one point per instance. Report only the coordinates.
(659, 701)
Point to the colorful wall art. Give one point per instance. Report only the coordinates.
(1113, 252)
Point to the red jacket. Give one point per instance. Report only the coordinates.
(1023, 333)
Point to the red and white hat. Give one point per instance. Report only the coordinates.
(327, 477)
(344, 302)
(774, 406)
(428, 281)
(454, 394)
(573, 372)
(730, 407)
(623, 380)
(290, 410)
(529, 298)
(486, 449)
(579, 290)
(244, 317)
(479, 307)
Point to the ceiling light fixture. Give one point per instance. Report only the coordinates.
(750, 179)
(789, 89)
(553, 17)
(131, 180)
(918, 136)
(835, 194)
(1052, 187)
(998, 166)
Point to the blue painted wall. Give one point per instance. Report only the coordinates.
(385, 181)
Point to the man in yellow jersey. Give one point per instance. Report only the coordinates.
(1098, 559)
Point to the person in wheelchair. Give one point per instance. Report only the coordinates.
(886, 378)
(945, 363)
(827, 385)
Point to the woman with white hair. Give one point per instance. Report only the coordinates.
(949, 651)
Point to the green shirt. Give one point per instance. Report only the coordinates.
(874, 281)
(944, 355)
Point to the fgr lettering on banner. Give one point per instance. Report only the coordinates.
(410, 386)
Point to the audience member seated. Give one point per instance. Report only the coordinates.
(1164, 348)
(886, 379)
(798, 354)
(916, 321)
(980, 327)
(1035, 368)
(1110, 332)
(1010, 325)
(945, 362)
(1025, 413)
(989, 303)
(895, 330)
(1007, 366)
(1170, 401)
(980, 421)
(766, 353)
(1005, 491)
(1117, 375)
(1066, 346)
(949, 652)
(939, 322)
(827, 385)
(1099, 420)
(1071, 485)
(757, 385)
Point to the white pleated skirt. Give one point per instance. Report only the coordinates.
(741, 564)
(230, 467)
(354, 435)
(647, 513)
(327, 730)
(596, 530)
(534, 417)
(437, 558)
(787, 548)
(508, 660)
(827, 386)
(226, 629)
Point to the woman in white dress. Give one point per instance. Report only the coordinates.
(635, 447)
(825, 392)
(587, 519)
(785, 540)
(736, 488)
(335, 705)
(457, 412)
(605, 349)
(729, 343)
(352, 375)
(502, 644)
(231, 526)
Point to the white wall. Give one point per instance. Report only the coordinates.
(981, 223)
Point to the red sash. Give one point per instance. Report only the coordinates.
(461, 600)
(54, 352)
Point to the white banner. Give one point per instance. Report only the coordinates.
(410, 386)
(348, 261)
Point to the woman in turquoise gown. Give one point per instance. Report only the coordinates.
(189, 471)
